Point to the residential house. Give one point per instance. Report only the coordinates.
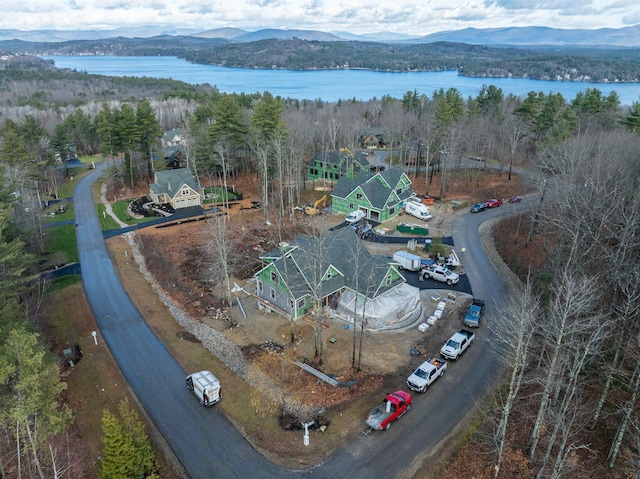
(379, 194)
(333, 165)
(374, 138)
(174, 157)
(177, 187)
(335, 272)
(173, 137)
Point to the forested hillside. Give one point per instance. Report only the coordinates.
(568, 405)
(543, 63)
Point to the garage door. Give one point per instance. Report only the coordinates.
(181, 203)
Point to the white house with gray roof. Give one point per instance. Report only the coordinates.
(177, 187)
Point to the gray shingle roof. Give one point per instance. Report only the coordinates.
(307, 264)
(170, 182)
(377, 187)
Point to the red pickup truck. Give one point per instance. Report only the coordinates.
(393, 407)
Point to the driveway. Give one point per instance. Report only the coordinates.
(204, 440)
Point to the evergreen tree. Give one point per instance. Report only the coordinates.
(632, 120)
(127, 452)
(229, 126)
(149, 132)
(267, 117)
(117, 451)
(107, 131)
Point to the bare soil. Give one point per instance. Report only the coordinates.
(175, 256)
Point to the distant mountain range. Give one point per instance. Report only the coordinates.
(515, 36)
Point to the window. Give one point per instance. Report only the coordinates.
(185, 191)
(392, 211)
(272, 293)
(274, 277)
(399, 191)
(388, 280)
(358, 196)
(260, 287)
(329, 275)
(301, 303)
(351, 206)
(291, 304)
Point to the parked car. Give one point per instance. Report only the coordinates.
(515, 199)
(478, 207)
(493, 203)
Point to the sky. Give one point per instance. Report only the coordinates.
(413, 17)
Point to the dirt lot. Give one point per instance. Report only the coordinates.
(174, 256)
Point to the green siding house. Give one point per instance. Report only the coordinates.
(320, 271)
(380, 195)
(333, 165)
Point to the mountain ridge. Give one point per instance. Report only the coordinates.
(516, 36)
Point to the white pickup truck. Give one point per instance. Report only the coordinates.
(439, 273)
(457, 344)
(426, 374)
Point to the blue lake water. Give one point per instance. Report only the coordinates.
(327, 85)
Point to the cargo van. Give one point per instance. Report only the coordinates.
(419, 210)
(205, 386)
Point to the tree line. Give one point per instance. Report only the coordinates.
(568, 351)
(533, 62)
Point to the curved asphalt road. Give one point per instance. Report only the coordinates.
(204, 440)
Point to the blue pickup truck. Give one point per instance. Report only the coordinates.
(474, 313)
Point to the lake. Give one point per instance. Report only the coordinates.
(327, 85)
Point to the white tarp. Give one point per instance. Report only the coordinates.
(397, 305)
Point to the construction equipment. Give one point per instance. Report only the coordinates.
(317, 206)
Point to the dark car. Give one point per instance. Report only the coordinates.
(493, 203)
(478, 207)
(515, 199)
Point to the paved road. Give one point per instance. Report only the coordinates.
(204, 440)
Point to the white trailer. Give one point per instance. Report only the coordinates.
(205, 386)
(406, 260)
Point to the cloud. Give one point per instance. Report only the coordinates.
(536, 5)
(416, 17)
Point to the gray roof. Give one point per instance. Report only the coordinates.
(171, 181)
(307, 263)
(377, 187)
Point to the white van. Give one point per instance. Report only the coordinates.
(355, 216)
(419, 210)
(205, 386)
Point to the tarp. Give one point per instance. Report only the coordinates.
(398, 305)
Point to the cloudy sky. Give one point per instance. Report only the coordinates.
(415, 17)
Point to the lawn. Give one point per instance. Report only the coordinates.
(61, 240)
(121, 210)
(217, 194)
(52, 213)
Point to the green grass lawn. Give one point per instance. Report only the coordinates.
(61, 240)
(121, 210)
(51, 214)
(221, 195)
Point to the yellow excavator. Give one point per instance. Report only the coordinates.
(317, 206)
